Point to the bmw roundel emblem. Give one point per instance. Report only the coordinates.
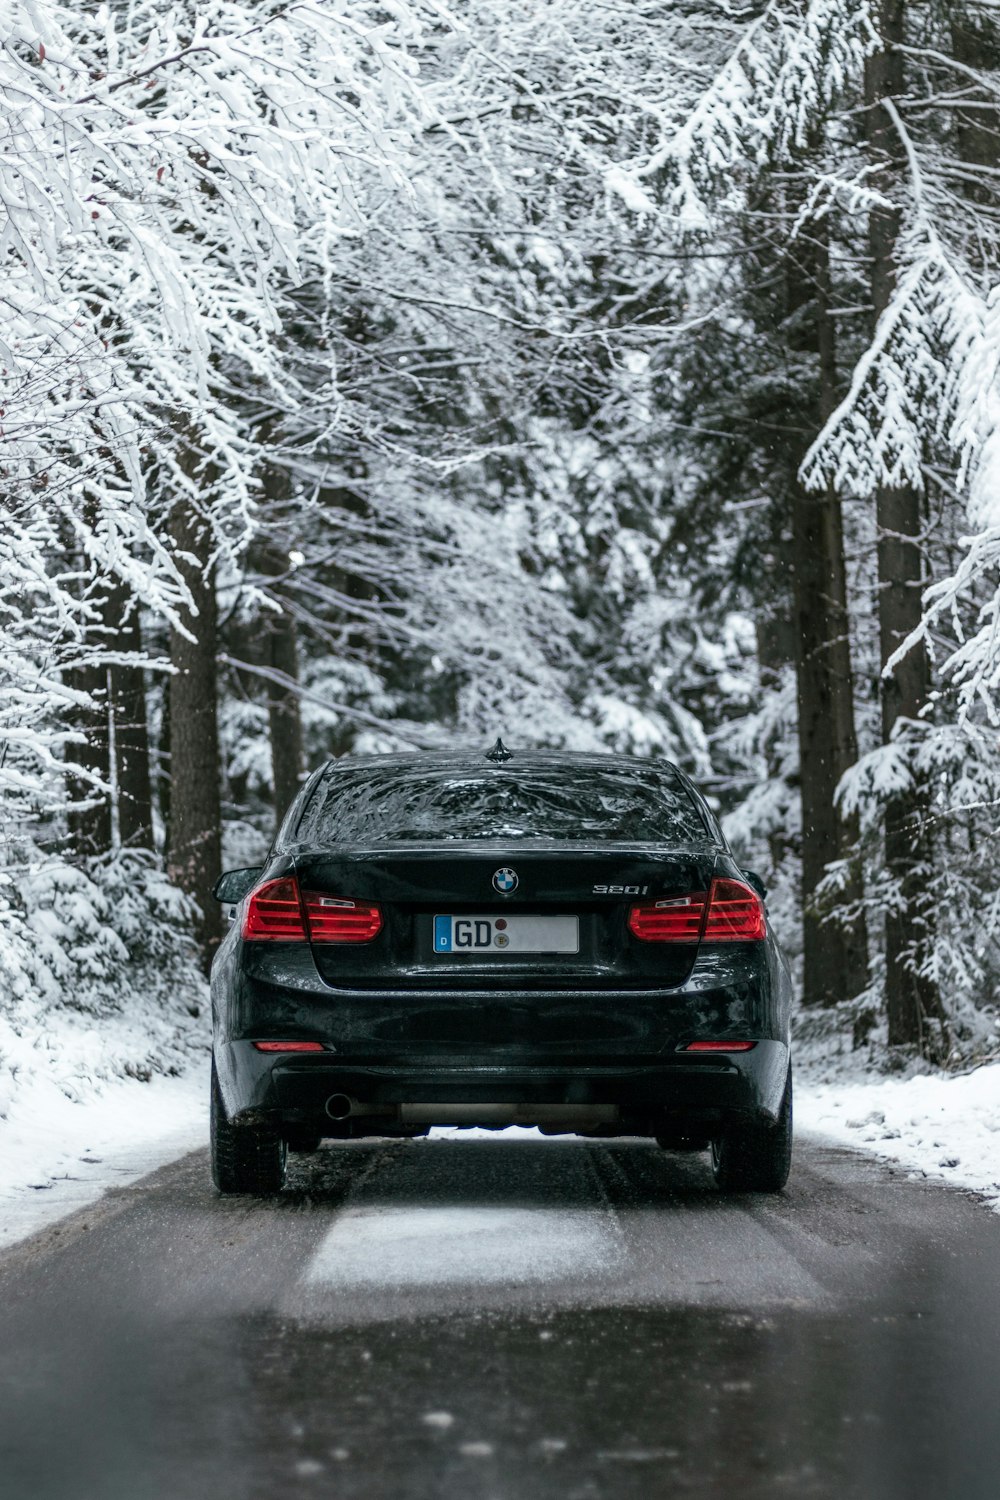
(505, 881)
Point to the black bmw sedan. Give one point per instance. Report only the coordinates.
(557, 940)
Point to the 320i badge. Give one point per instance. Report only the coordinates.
(534, 938)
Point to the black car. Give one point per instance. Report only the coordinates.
(559, 940)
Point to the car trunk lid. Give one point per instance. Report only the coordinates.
(418, 887)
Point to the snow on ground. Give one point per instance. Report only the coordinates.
(374, 1245)
(935, 1125)
(59, 1154)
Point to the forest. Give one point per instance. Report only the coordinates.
(394, 374)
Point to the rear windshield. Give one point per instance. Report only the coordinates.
(566, 802)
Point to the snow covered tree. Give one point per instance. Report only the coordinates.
(907, 417)
(163, 163)
(742, 178)
(476, 447)
(377, 376)
(773, 153)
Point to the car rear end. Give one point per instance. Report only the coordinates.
(565, 942)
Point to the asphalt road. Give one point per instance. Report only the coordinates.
(507, 1319)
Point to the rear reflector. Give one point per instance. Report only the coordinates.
(731, 912)
(719, 1046)
(278, 912)
(289, 1046)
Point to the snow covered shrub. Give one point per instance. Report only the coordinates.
(98, 977)
(757, 755)
(957, 917)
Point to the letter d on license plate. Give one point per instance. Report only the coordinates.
(491, 936)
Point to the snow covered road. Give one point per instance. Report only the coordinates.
(506, 1319)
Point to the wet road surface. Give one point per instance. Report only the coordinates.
(506, 1319)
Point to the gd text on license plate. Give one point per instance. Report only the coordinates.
(506, 934)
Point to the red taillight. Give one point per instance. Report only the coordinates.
(279, 912)
(274, 913)
(289, 1046)
(735, 914)
(675, 921)
(333, 920)
(719, 1046)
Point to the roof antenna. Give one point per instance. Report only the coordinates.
(498, 753)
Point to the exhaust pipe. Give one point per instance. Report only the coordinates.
(341, 1106)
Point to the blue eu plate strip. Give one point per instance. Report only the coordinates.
(442, 934)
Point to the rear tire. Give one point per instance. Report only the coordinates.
(246, 1158)
(755, 1158)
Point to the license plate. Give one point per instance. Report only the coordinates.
(506, 934)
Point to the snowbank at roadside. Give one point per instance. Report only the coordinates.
(938, 1125)
(59, 1154)
(104, 1029)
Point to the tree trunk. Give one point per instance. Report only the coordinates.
(281, 653)
(911, 1000)
(284, 716)
(195, 854)
(89, 815)
(835, 954)
(775, 654)
(128, 703)
(163, 768)
(975, 40)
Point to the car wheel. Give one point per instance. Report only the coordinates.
(246, 1158)
(755, 1158)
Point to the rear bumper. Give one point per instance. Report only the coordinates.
(619, 1051)
(679, 1089)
